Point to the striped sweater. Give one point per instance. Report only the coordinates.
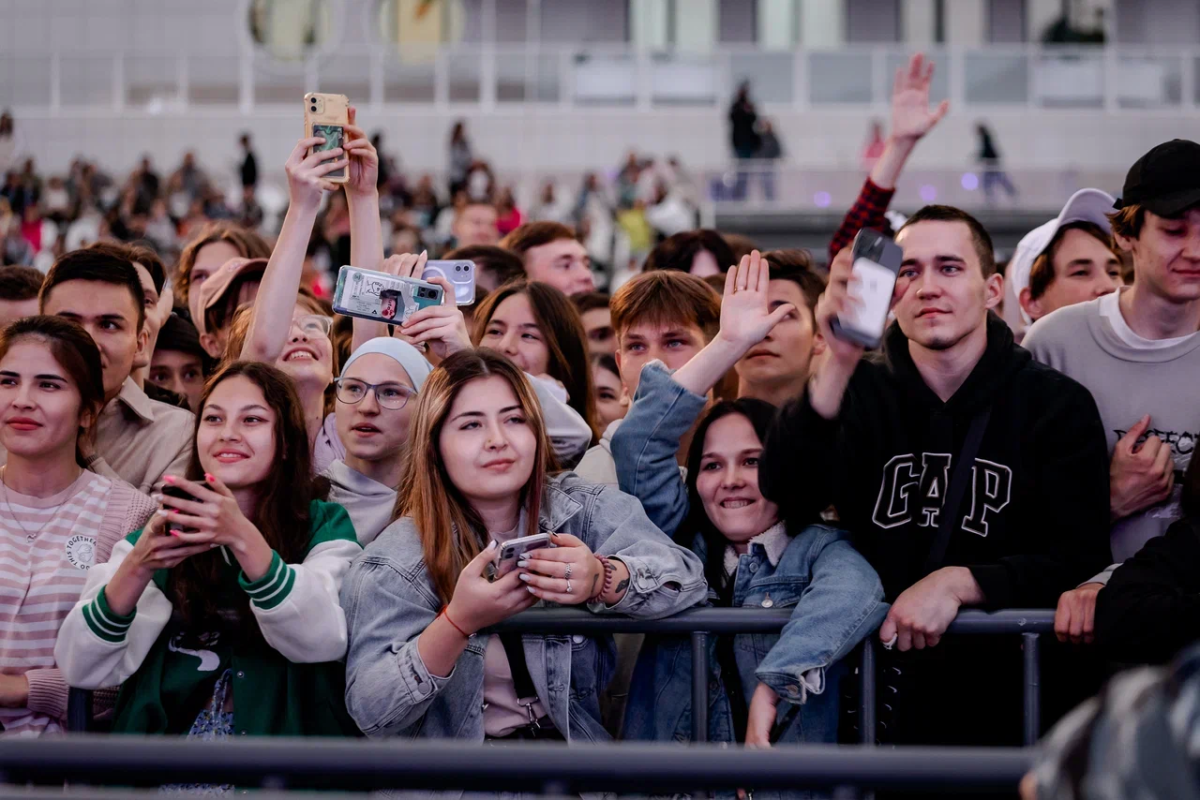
(47, 546)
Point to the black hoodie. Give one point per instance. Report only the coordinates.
(1034, 521)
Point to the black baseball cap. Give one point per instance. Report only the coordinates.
(1166, 180)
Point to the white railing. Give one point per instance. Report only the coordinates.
(489, 77)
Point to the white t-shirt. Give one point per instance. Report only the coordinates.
(1110, 309)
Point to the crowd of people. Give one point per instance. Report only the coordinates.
(248, 515)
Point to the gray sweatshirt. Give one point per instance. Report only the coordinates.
(1128, 382)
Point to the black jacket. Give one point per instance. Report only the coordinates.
(1150, 609)
(1035, 518)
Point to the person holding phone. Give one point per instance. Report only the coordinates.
(969, 474)
(376, 395)
(57, 519)
(221, 616)
(480, 471)
(769, 688)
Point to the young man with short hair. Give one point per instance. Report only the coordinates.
(475, 224)
(776, 369)
(551, 254)
(1070, 259)
(19, 287)
(667, 316)
(969, 474)
(137, 439)
(158, 298)
(1138, 351)
(179, 362)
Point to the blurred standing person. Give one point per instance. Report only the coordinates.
(989, 157)
(743, 119)
(548, 208)
(10, 143)
(461, 157)
(249, 168)
(769, 152)
(190, 180)
(508, 216)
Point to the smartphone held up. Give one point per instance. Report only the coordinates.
(327, 115)
(381, 297)
(876, 264)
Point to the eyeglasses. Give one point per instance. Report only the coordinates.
(389, 395)
(314, 324)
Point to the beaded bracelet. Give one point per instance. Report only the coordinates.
(609, 572)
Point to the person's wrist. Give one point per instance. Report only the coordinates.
(360, 194)
(958, 582)
(459, 619)
(903, 141)
(732, 346)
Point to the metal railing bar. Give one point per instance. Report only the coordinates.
(699, 686)
(565, 621)
(1032, 695)
(370, 765)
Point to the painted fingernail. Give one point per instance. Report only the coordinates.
(208, 477)
(168, 479)
(532, 590)
(162, 512)
(158, 498)
(524, 577)
(174, 533)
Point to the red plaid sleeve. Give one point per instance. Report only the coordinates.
(867, 212)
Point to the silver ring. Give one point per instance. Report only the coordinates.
(568, 587)
(569, 565)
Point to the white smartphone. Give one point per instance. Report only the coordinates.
(460, 274)
(876, 264)
(511, 551)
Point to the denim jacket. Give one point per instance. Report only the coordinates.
(389, 600)
(836, 596)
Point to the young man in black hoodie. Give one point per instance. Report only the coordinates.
(883, 438)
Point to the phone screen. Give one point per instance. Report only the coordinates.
(333, 138)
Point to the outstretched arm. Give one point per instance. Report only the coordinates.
(276, 299)
(911, 120)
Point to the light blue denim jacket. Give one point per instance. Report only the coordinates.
(836, 596)
(389, 600)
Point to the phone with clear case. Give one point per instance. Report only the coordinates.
(381, 297)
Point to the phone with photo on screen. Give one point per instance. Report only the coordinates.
(876, 264)
(327, 115)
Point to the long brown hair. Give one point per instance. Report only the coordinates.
(451, 532)
(284, 497)
(248, 244)
(566, 339)
(76, 352)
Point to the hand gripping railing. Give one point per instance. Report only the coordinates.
(700, 622)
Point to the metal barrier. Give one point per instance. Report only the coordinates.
(344, 764)
(700, 622)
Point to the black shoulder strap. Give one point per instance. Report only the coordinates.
(959, 480)
(515, 650)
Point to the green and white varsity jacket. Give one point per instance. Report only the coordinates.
(291, 682)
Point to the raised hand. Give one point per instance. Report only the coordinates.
(306, 172)
(746, 317)
(362, 177)
(911, 115)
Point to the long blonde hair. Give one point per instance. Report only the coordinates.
(450, 530)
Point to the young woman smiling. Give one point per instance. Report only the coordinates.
(57, 520)
(751, 558)
(222, 615)
(478, 473)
